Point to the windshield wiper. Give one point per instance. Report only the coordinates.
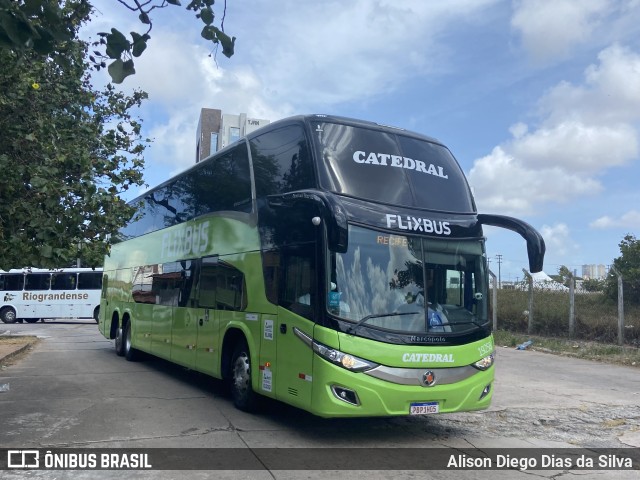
(377, 315)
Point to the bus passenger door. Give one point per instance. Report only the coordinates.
(298, 305)
(184, 329)
(208, 316)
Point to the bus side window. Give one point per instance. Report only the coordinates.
(222, 286)
(208, 282)
(187, 292)
(89, 281)
(37, 281)
(298, 292)
(281, 161)
(12, 282)
(63, 281)
(165, 285)
(271, 273)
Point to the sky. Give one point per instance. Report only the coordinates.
(538, 100)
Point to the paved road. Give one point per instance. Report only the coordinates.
(73, 391)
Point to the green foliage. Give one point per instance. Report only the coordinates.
(40, 25)
(628, 265)
(46, 26)
(66, 154)
(596, 316)
(593, 285)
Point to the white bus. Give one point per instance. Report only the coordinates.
(31, 294)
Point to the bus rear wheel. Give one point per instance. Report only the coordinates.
(119, 342)
(130, 353)
(242, 393)
(8, 315)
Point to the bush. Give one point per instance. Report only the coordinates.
(596, 316)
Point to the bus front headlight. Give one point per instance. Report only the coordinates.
(485, 363)
(345, 360)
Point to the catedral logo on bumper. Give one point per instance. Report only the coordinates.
(47, 297)
(427, 357)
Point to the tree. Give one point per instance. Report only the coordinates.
(564, 276)
(593, 285)
(41, 26)
(628, 265)
(66, 154)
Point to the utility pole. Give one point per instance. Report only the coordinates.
(499, 257)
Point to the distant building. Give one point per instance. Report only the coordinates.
(216, 130)
(594, 272)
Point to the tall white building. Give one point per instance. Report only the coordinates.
(594, 271)
(216, 130)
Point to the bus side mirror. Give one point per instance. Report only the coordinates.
(535, 242)
(331, 210)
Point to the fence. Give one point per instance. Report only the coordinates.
(544, 308)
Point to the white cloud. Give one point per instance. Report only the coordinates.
(551, 29)
(577, 147)
(307, 57)
(504, 184)
(610, 93)
(630, 219)
(557, 239)
(584, 130)
(318, 54)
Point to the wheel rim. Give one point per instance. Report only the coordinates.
(9, 316)
(241, 374)
(127, 340)
(119, 339)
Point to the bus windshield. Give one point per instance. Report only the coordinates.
(390, 168)
(409, 284)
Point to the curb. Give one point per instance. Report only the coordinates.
(15, 352)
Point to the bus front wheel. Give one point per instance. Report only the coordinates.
(8, 315)
(244, 398)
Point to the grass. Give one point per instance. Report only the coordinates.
(590, 350)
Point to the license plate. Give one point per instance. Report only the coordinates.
(424, 408)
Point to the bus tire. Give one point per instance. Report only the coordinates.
(119, 342)
(242, 393)
(31, 320)
(8, 315)
(96, 314)
(130, 353)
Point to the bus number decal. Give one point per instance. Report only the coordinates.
(485, 349)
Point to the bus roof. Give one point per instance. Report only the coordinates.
(298, 119)
(342, 120)
(52, 270)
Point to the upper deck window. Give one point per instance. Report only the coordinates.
(281, 161)
(391, 168)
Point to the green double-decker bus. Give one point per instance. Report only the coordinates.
(333, 264)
